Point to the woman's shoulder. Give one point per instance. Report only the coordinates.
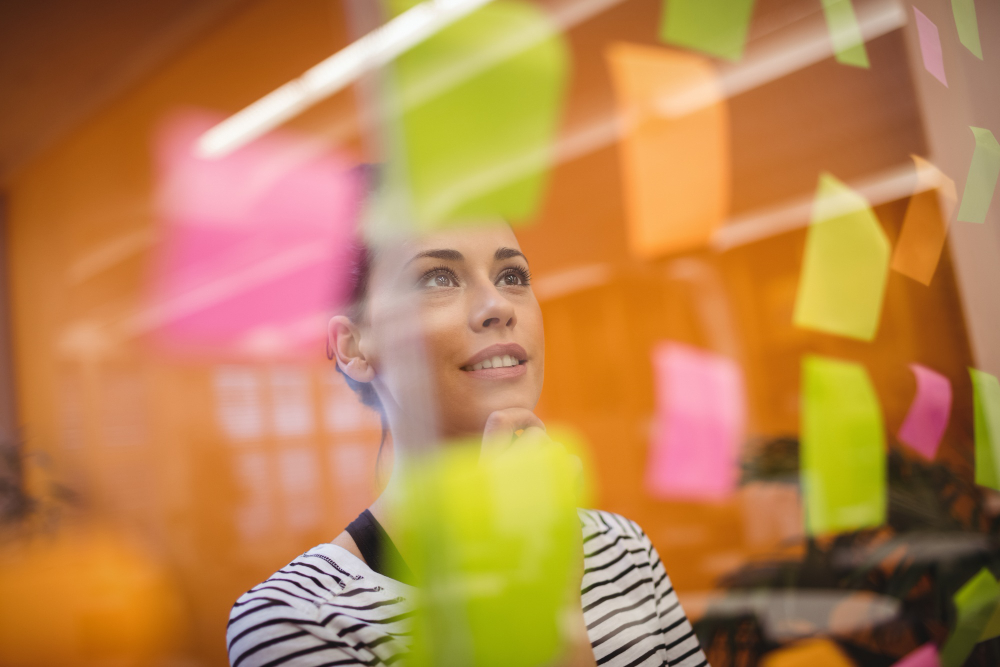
(318, 576)
(602, 525)
(332, 600)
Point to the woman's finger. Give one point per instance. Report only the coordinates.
(501, 426)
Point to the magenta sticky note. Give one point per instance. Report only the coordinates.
(930, 46)
(925, 656)
(253, 247)
(699, 424)
(928, 415)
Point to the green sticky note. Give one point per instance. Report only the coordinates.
(715, 27)
(968, 27)
(975, 603)
(982, 178)
(848, 43)
(480, 105)
(986, 399)
(845, 265)
(492, 546)
(842, 460)
(992, 628)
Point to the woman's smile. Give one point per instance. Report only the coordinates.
(498, 362)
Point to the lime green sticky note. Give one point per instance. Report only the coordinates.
(492, 545)
(842, 459)
(845, 265)
(848, 43)
(480, 104)
(986, 398)
(715, 27)
(992, 628)
(982, 178)
(968, 27)
(975, 603)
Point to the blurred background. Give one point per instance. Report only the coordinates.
(712, 195)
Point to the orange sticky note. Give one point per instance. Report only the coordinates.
(811, 653)
(925, 226)
(674, 148)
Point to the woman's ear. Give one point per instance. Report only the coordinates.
(344, 339)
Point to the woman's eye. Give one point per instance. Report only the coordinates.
(511, 279)
(438, 280)
(514, 278)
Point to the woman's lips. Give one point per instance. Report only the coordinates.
(495, 356)
(501, 373)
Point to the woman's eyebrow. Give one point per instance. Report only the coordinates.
(443, 253)
(507, 253)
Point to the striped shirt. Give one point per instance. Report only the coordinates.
(327, 607)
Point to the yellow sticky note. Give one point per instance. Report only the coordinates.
(925, 226)
(845, 266)
(480, 105)
(842, 456)
(670, 104)
(968, 28)
(982, 178)
(845, 33)
(493, 546)
(992, 628)
(716, 27)
(809, 653)
(975, 603)
(986, 406)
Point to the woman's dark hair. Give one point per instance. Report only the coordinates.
(360, 257)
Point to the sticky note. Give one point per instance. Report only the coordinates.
(809, 653)
(982, 178)
(992, 628)
(699, 424)
(845, 265)
(927, 418)
(670, 103)
(842, 460)
(986, 408)
(492, 545)
(975, 603)
(968, 28)
(925, 226)
(925, 656)
(930, 46)
(480, 105)
(845, 33)
(252, 250)
(716, 27)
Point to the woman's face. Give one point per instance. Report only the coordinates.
(480, 327)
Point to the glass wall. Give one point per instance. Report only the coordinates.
(764, 243)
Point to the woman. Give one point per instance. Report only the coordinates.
(480, 329)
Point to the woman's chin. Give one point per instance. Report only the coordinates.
(471, 423)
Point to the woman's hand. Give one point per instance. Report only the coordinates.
(510, 430)
(501, 427)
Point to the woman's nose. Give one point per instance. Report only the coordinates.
(492, 310)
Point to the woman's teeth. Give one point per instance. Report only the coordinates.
(495, 362)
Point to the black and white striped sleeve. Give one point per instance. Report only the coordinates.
(683, 649)
(289, 621)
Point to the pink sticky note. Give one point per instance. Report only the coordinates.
(930, 46)
(928, 416)
(925, 656)
(699, 426)
(254, 245)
